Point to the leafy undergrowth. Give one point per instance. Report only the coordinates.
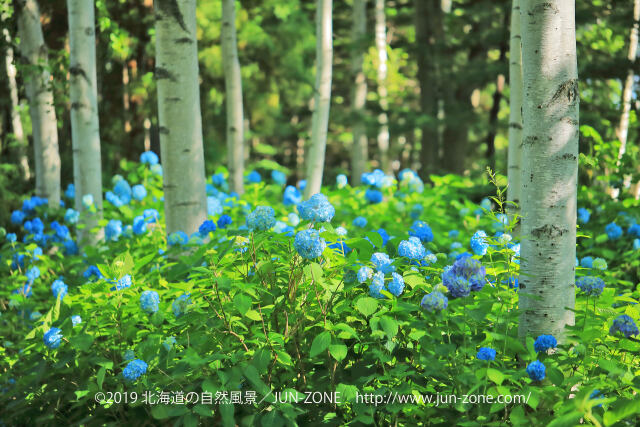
(259, 305)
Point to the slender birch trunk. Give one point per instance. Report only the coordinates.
(16, 123)
(383, 119)
(322, 100)
(41, 108)
(179, 118)
(549, 166)
(359, 154)
(515, 112)
(85, 128)
(623, 126)
(233, 87)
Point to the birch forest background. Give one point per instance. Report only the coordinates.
(287, 212)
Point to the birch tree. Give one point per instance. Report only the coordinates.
(85, 129)
(179, 119)
(549, 166)
(41, 108)
(233, 87)
(360, 150)
(381, 71)
(515, 111)
(322, 99)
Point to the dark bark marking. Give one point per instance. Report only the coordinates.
(515, 125)
(172, 99)
(163, 73)
(568, 156)
(548, 230)
(568, 90)
(172, 9)
(78, 71)
(89, 31)
(186, 204)
(529, 140)
(184, 40)
(164, 130)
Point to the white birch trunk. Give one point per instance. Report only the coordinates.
(383, 119)
(180, 122)
(549, 166)
(16, 123)
(85, 128)
(515, 111)
(359, 154)
(623, 126)
(322, 100)
(41, 107)
(233, 88)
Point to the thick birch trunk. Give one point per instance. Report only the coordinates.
(515, 112)
(41, 108)
(549, 166)
(322, 101)
(360, 150)
(16, 123)
(383, 119)
(179, 119)
(85, 128)
(233, 86)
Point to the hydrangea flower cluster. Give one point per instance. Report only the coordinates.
(278, 177)
(291, 196)
(613, 230)
(261, 219)
(180, 305)
(317, 209)
(544, 343)
(395, 287)
(207, 227)
(583, 215)
(465, 275)
(178, 238)
(341, 180)
(224, 221)
(536, 370)
(373, 196)
(590, 286)
(382, 262)
(435, 301)
(360, 222)
(478, 243)
(486, 353)
(52, 338)
(625, 325)
(254, 177)
(412, 249)
(150, 301)
(134, 369)
(309, 244)
(149, 157)
(113, 230)
(124, 282)
(422, 231)
(59, 289)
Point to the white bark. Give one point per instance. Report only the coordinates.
(322, 100)
(549, 166)
(85, 129)
(180, 122)
(623, 126)
(359, 153)
(515, 111)
(383, 120)
(41, 107)
(233, 88)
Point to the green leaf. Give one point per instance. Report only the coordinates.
(375, 238)
(227, 410)
(495, 375)
(82, 342)
(338, 351)
(242, 303)
(555, 376)
(389, 326)
(253, 315)
(100, 377)
(320, 343)
(251, 374)
(367, 305)
(621, 410)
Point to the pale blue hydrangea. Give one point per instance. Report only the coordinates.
(52, 338)
(113, 230)
(76, 320)
(397, 284)
(600, 264)
(412, 249)
(156, 169)
(291, 196)
(309, 244)
(149, 157)
(134, 369)
(341, 231)
(169, 343)
(583, 216)
(87, 201)
(254, 177)
(435, 301)
(278, 177)
(478, 243)
(71, 216)
(178, 238)
(377, 285)
(364, 273)
(214, 207)
(382, 262)
(293, 219)
(150, 301)
(261, 219)
(123, 283)
(360, 222)
(586, 262)
(139, 192)
(317, 209)
(180, 305)
(129, 355)
(59, 289)
(342, 181)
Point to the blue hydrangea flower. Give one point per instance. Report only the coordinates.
(92, 272)
(169, 343)
(59, 289)
(24, 290)
(374, 178)
(613, 230)
(377, 285)
(139, 192)
(360, 222)
(397, 284)
(139, 225)
(458, 286)
(224, 221)
(412, 249)
(11, 237)
(178, 238)
(309, 244)
(113, 230)
(262, 218)
(341, 180)
(87, 201)
(382, 262)
(124, 282)
(486, 353)
(61, 231)
(416, 211)
(486, 203)
(33, 273)
(634, 230)
(149, 157)
(53, 338)
(544, 343)
(421, 230)
(454, 234)
(341, 231)
(317, 209)
(636, 244)
(17, 217)
(134, 370)
(291, 196)
(302, 184)
(586, 262)
(156, 169)
(207, 227)
(625, 325)
(150, 301)
(254, 177)
(385, 236)
(478, 243)
(536, 370)
(35, 226)
(76, 320)
(278, 177)
(373, 196)
(71, 216)
(70, 192)
(591, 286)
(364, 273)
(129, 355)
(180, 305)
(600, 264)
(218, 179)
(435, 301)
(583, 216)
(113, 199)
(123, 191)
(214, 207)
